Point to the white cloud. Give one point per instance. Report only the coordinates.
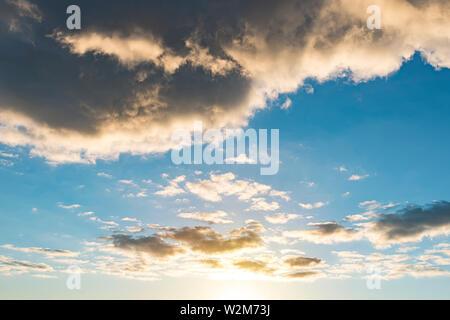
(282, 194)
(316, 205)
(282, 218)
(241, 159)
(309, 183)
(211, 217)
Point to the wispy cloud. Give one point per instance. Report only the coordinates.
(316, 205)
(355, 177)
(210, 217)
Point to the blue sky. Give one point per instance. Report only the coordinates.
(360, 196)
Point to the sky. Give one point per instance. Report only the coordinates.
(91, 201)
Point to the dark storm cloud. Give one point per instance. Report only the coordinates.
(410, 224)
(138, 69)
(152, 245)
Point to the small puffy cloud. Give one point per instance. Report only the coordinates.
(302, 262)
(357, 217)
(355, 177)
(406, 249)
(281, 218)
(140, 194)
(8, 155)
(286, 104)
(104, 175)
(207, 241)
(210, 217)
(87, 213)
(309, 89)
(109, 223)
(44, 251)
(173, 188)
(240, 159)
(260, 204)
(198, 239)
(217, 186)
(160, 228)
(125, 181)
(325, 233)
(253, 266)
(309, 206)
(371, 204)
